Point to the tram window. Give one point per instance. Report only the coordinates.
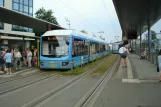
(80, 47)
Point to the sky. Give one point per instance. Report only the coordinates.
(89, 15)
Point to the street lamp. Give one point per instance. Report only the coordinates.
(67, 20)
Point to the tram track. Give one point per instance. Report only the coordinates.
(14, 79)
(62, 87)
(20, 87)
(89, 99)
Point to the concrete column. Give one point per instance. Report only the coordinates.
(149, 42)
(140, 42)
(135, 46)
(27, 44)
(4, 41)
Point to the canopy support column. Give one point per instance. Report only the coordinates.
(140, 42)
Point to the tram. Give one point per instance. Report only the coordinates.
(115, 47)
(66, 49)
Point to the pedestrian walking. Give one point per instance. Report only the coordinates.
(17, 59)
(159, 65)
(8, 57)
(29, 57)
(123, 53)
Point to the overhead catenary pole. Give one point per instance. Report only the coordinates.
(68, 22)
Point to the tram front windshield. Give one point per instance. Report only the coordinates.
(115, 46)
(55, 46)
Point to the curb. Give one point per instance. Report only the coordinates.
(15, 73)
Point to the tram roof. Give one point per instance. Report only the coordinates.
(72, 32)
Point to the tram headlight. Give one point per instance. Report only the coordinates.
(65, 63)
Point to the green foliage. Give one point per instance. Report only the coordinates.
(153, 33)
(107, 64)
(46, 15)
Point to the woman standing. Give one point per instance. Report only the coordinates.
(8, 57)
(123, 53)
(159, 65)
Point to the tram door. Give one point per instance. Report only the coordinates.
(38, 53)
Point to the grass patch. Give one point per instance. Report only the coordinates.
(108, 62)
(80, 70)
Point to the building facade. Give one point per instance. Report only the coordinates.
(23, 6)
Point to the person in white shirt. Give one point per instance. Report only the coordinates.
(123, 53)
(17, 61)
(29, 57)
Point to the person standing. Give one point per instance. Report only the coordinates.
(159, 65)
(123, 53)
(35, 57)
(29, 57)
(8, 57)
(17, 61)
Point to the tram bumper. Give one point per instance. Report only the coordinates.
(55, 64)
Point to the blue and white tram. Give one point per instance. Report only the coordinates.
(65, 49)
(115, 47)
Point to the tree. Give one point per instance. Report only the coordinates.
(153, 33)
(46, 15)
(83, 31)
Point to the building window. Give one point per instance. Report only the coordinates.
(1, 25)
(30, 30)
(30, 10)
(26, 9)
(31, 3)
(24, 6)
(15, 6)
(17, 1)
(1, 2)
(15, 27)
(21, 7)
(21, 1)
(26, 2)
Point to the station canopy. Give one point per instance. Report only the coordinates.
(134, 15)
(17, 18)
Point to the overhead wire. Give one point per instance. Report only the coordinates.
(109, 17)
(77, 13)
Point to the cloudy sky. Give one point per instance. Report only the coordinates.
(89, 15)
